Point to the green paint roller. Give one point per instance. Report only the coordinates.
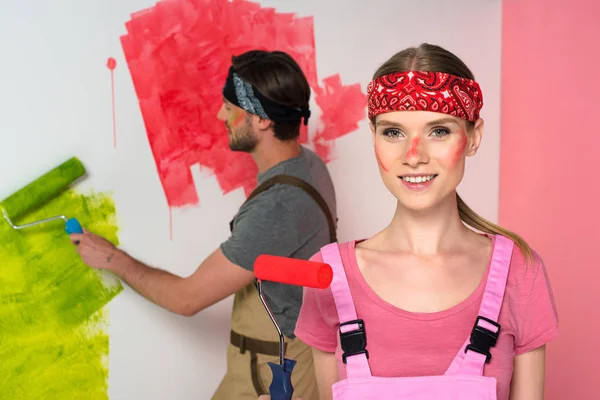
(40, 191)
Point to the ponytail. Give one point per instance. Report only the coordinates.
(471, 218)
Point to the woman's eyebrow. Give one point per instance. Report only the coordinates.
(442, 121)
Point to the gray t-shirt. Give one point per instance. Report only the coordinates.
(284, 221)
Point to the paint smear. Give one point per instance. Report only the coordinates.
(237, 118)
(462, 145)
(414, 147)
(342, 107)
(111, 64)
(179, 52)
(379, 161)
(53, 340)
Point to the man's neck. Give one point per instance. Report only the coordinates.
(267, 155)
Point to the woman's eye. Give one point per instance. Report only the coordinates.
(392, 133)
(439, 132)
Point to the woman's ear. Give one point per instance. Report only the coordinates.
(475, 138)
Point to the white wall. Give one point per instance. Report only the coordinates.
(55, 94)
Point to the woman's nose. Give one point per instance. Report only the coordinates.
(416, 153)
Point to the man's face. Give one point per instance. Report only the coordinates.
(239, 126)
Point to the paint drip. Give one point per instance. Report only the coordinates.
(111, 64)
(53, 323)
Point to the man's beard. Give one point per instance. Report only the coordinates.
(242, 140)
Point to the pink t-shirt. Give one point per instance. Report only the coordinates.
(402, 343)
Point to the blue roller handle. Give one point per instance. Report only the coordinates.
(73, 226)
(281, 386)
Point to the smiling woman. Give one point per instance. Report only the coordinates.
(443, 293)
(419, 149)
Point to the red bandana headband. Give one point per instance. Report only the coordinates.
(425, 91)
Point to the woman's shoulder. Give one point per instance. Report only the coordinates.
(528, 280)
(342, 247)
(529, 300)
(527, 276)
(525, 263)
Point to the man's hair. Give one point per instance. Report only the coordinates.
(278, 77)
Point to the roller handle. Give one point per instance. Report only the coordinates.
(73, 226)
(281, 386)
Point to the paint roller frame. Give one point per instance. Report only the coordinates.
(320, 278)
(261, 295)
(40, 191)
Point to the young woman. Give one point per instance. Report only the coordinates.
(441, 304)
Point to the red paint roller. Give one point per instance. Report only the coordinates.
(289, 271)
(293, 271)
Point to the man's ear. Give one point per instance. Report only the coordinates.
(475, 138)
(261, 124)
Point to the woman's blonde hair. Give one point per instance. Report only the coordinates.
(428, 57)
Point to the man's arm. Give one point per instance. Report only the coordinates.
(268, 226)
(215, 279)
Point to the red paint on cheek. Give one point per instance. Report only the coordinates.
(379, 161)
(236, 119)
(460, 148)
(413, 148)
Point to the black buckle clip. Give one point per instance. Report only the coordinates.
(355, 341)
(483, 339)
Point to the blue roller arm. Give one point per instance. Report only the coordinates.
(73, 226)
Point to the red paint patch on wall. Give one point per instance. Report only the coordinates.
(342, 108)
(178, 53)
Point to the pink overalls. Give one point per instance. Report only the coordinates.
(464, 378)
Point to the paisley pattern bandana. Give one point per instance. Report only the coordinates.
(242, 94)
(425, 91)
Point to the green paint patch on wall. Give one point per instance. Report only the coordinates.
(53, 324)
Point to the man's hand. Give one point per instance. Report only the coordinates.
(95, 251)
(215, 279)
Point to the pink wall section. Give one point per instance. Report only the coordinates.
(549, 179)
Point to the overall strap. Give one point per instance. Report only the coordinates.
(303, 185)
(476, 351)
(353, 338)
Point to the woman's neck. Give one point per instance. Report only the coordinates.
(426, 232)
